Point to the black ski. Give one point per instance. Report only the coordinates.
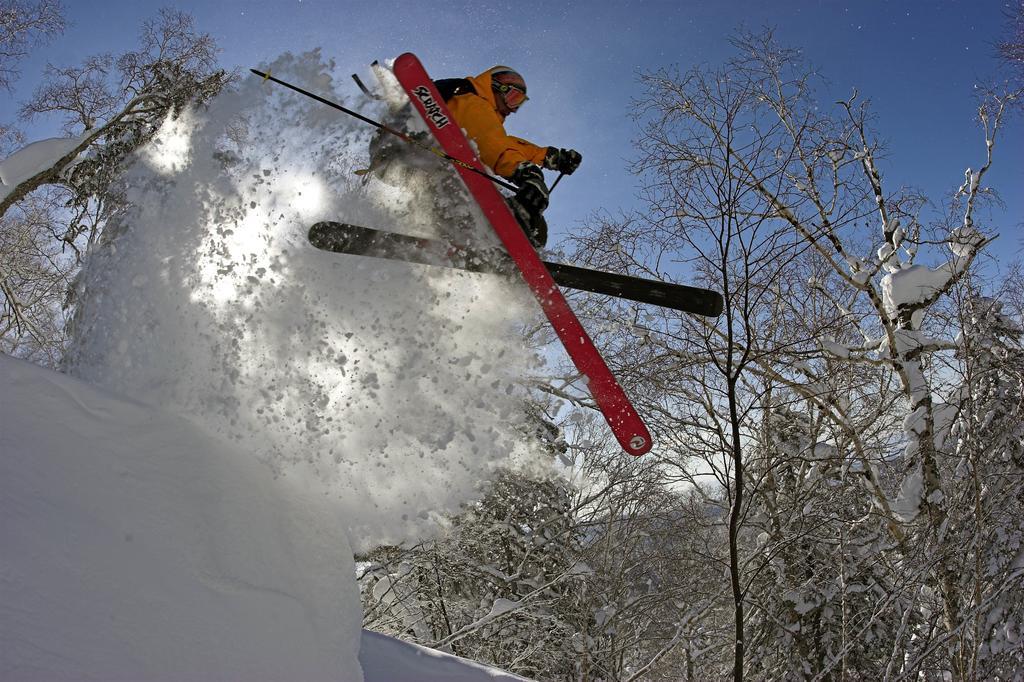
(366, 241)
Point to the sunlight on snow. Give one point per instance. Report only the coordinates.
(170, 150)
(307, 196)
(238, 254)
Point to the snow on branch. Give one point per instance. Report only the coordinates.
(38, 159)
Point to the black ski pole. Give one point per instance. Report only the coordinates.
(381, 126)
(555, 183)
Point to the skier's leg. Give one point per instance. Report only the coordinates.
(533, 224)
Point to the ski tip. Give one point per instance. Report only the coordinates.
(322, 236)
(406, 57)
(716, 304)
(265, 76)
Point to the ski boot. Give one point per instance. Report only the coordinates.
(533, 224)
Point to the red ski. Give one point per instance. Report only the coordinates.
(622, 417)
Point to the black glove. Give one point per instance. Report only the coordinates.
(533, 193)
(562, 160)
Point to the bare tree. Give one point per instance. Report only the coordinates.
(117, 104)
(500, 586)
(899, 295)
(24, 26)
(780, 202)
(110, 106)
(1011, 48)
(34, 280)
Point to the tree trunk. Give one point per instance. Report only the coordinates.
(734, 528)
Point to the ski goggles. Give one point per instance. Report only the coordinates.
(513, 95)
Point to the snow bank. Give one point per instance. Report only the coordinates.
(386, 659)
(389, 388)
(135, 546)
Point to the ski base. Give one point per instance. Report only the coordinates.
(340, 237)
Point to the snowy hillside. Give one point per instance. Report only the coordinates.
(136, 546)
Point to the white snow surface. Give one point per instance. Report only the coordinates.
(246, 412)
(136, 546)
(386, 659)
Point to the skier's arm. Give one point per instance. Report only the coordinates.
(497, 149)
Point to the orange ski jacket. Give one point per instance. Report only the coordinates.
(477, 114)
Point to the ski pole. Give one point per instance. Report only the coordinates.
(555, 183)
(397, 133)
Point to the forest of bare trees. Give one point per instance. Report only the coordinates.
(838, 490)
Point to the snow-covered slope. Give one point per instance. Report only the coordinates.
(386, 659)
(138, 547)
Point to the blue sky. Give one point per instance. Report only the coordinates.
(917, 61)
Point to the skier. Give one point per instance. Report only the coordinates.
(623, 419)
(480, 104)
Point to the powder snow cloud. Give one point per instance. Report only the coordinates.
(393, 388)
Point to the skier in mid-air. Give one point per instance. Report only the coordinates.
(480, 104)
(518, 160)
